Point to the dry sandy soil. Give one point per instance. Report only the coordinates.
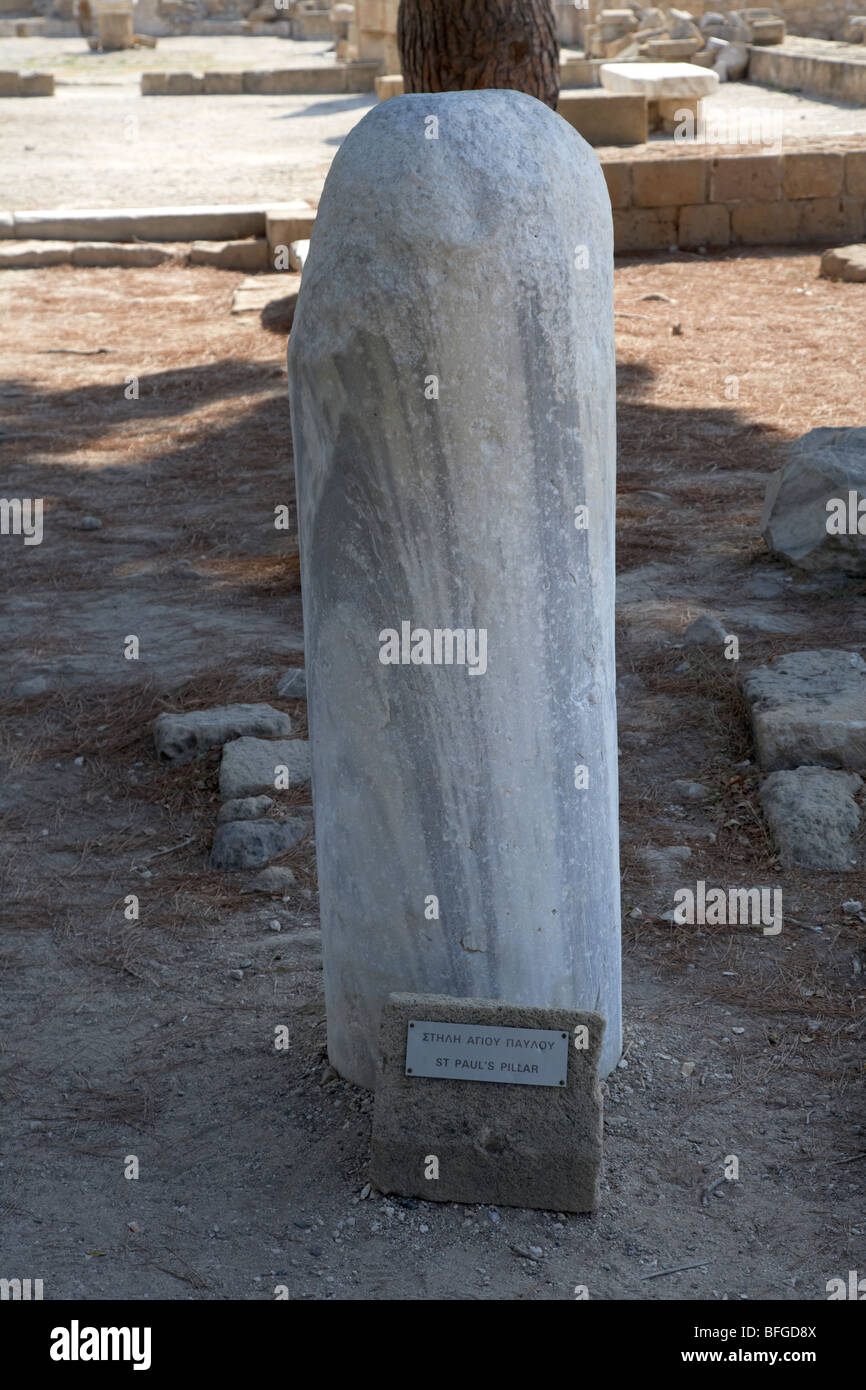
(132, 1038)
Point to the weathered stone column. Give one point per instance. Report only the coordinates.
(451, 374)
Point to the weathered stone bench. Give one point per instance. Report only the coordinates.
(668, 87)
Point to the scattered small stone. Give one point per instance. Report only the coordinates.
(179, 738)
(852, 907)
(705, 631)
(245, 808)
(647, 495)
(365, 1191)
(276, 879)
(666, 864)
(656, 294)
(250, 844)
(813, 816)
(34, 685)
(692, 791)
(89, 523)
(236, 974)
(275, 925)
(630, 686)
(824, 465)
(845, 263)
(293, 685)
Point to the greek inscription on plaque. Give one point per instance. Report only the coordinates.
(468, 1052)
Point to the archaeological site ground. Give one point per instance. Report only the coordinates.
(433, 700)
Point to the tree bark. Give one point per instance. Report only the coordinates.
(461, 45)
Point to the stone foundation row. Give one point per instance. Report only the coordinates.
(708, 200)
(26, 84)
(348, 77)
(278, 226)
(749, 200)
(841, 79)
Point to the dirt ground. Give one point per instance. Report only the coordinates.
(125, 1038)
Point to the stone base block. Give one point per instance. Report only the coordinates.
(36, 84)
(768, 31)
(249, 256)
(114, 28)
(807, 710)
(314, 24)
(28, 255)
(390, 85)
(667, 113)
(513, 1145)
(845, 263)
(283, 225)
(223, 83)
(814, 817)
(672, 50)
(605, 118)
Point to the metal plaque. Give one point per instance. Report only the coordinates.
(481, 1052)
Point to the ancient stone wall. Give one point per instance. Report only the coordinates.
(821, 19)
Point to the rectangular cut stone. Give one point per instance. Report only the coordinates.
(606, 118)
(674, 114)
(288, 223)
(37, 84)
(249, 255)
(389, 85)
(578, 72)
(223, 83)
(752, 178)
(184, 84)
(10, 84)
(114, 27)
(179, 738)
(118, 253)
(765, 224)
(645, 229)
(659, 80)
(658, 183)
(617, 176)
(809, 709)
(817, 175)
(537, 1146)
(855, 173)
(26, 255)
(142, 224)
(250, 766)
(708, 225)
(831, 219)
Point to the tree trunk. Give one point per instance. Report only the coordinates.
(458, 45)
